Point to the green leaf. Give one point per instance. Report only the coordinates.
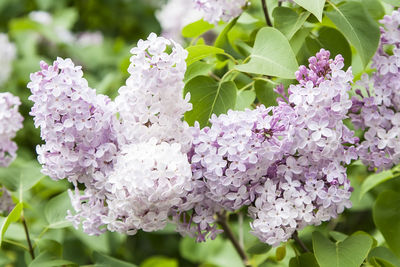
(304, 260)
(244, 99)
(350, 253)
(375, 180)
(199, 52)
(288, 21)
(21, 175)
(56, 209)
(209, 97)
(383, 254)
(386, 214)
(196, 28)
(101, 260)
(14, 216)
(338, 236)
(219, 252)
(316, 7)
(265, 93)
(159, 262)
(259, 248)
(280, 253)
(45, 259)
(375, 8)
(51, 246)
(358, 27)
(196, 69)
(272, 55)
(222, 40)
(298, 39)
(392, 2)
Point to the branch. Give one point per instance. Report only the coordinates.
(27, 238)
(295, 236)
(267, 19)
(223, 222)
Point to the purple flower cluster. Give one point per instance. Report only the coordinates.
(309, 184)
(10, 123)
(77, 127)
(287, 163)
(76, 124)
(376, 107)
(146, 167)
(87, 144)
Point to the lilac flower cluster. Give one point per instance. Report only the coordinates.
(376, 107)
(309, 184)
(7, 55)
(217, 10)
(152, 173)
(10, 123)
(77, 127)
(86, 143)
(285, 162)
(146, 166)
(151, 103)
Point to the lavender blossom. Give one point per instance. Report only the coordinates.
(10, 123)
(377, 111)
(151, 104)
(217, 10)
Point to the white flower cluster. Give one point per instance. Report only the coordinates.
(175, 15)
(149, 179)
(7, 55)
(217, 10)
(151, 102)
(152, 170)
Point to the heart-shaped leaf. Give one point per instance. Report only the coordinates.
(271, 55)
(316, 7)
(288, 21)
(357, 26)
(56, 209)
(350, 253)
(375, 180)
(196, 28)
(199, 52)
(209, 97)
(244, 99)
